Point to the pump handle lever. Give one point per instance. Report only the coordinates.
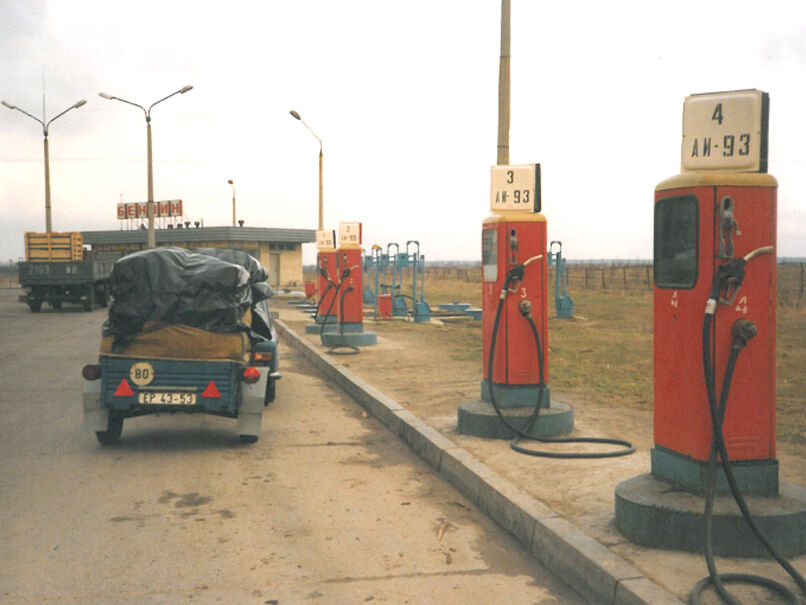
(534, 258)
(349, 270)
(757, 252)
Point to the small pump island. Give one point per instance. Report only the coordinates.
(714, 347)
(514, 315)
(340, 311)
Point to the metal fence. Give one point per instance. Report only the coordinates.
(631, 278)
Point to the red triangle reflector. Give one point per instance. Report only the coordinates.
(123, 390)
(211, 391)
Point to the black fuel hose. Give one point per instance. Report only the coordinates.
(742, 331)
(321, 300)
(352, 349)
(523, 433)
(329, 309)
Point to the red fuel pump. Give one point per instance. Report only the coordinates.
(703, 222)
(715, 232)
(349, 299)
(327, 277)
(515, 324)
(509, 239)
(351, 303)
(514, 236)
(715, 235)
(714, 355)
(350, 257)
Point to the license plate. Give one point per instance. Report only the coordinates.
(159, 398)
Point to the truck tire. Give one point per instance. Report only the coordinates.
(114, 428)
(103, 297)
(89, 302)
(56, 304)
(248, 439)
(35, 304)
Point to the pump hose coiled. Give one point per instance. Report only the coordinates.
(742, 331)
(332, 349)
(523, 433)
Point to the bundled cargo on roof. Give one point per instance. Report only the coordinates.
(188, 332)
(260, 290)
(213, 290)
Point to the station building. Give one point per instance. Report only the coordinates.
(280, 250)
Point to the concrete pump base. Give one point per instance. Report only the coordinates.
(478, 418)
(336, 338)
(654, 513)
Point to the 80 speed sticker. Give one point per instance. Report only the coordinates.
(141, 373)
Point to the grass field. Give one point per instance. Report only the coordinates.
(605, 351)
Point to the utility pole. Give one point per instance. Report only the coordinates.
(503, 87)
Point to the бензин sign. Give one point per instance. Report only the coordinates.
(515, 188)
(726, 131)
(163, 208)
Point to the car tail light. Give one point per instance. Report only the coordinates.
(251, 375)
(91, 371)
(262, 358)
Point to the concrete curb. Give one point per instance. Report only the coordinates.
(598, 574)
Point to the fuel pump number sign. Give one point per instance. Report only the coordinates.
(515, 188)
(325, 239)
(350, 234)
(726, 131)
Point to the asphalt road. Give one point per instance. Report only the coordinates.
(328, 507)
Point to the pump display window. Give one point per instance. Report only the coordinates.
(489, 254)
(676, 226)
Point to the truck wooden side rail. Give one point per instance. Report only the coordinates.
(57, 269)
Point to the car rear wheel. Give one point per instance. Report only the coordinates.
(114, 428)
(271, 391)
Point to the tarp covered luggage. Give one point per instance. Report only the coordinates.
(175, 286)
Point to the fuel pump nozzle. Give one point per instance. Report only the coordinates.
(348, 270)
(515, 275)
(323, 272)
(729, 277)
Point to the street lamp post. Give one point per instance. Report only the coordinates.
(150, 205)
(231, 182)
(45, 125)
(503, 86)
(321, 199)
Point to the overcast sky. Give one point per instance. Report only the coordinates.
(404, 96)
